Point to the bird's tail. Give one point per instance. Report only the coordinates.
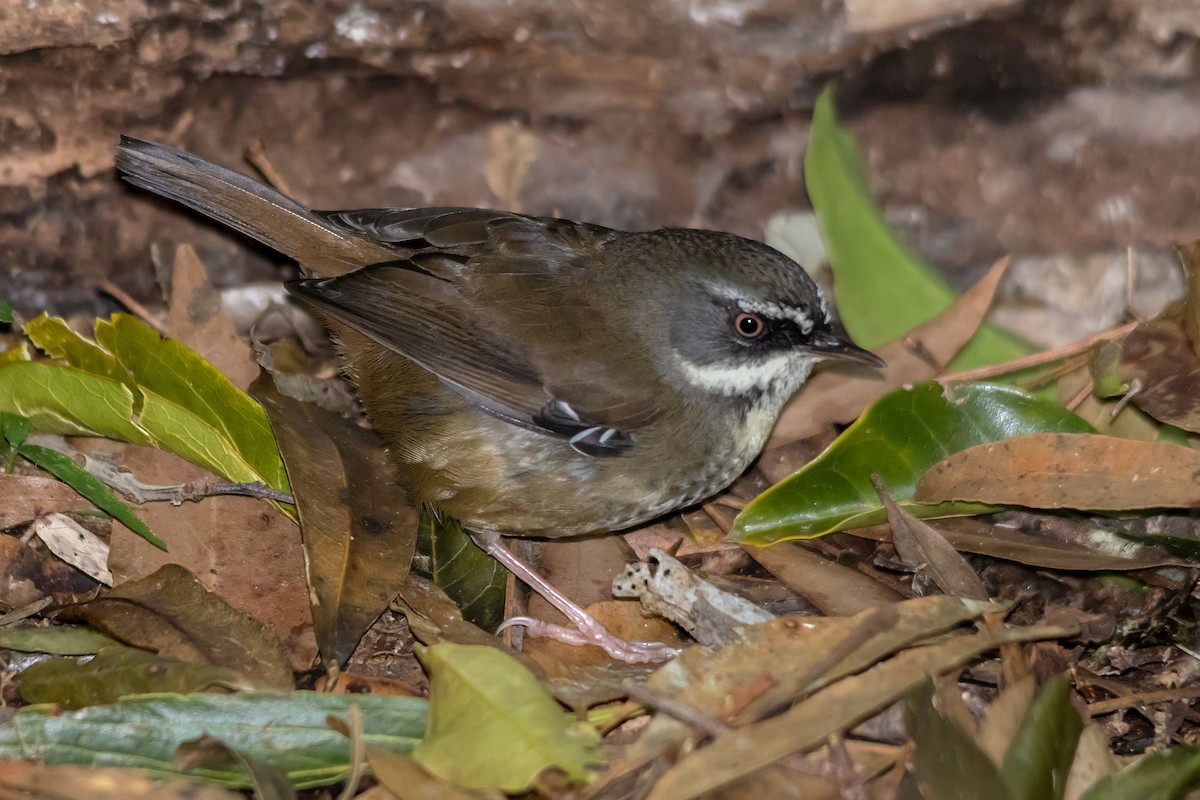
(252, 208)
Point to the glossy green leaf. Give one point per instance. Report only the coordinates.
(177, 374)
(486, 704)
(287, 730)
(115, 672)
(1158, 776)
(69, 401)
(871, 267)
(1038, 761)
(66, 470)
(470, 577)
(899, 437)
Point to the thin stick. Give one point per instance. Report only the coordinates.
(256, 154)
(139, 310)
(1037, 359)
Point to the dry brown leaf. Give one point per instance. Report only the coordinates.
(922, 547)
(838, 397)
(243, 550)
(1158, 359)
(359, 528)
(1068, 470)
(170, 613)
(26, 497)
(975, 536)
(836, 590)
(511, 150)
(26, 780)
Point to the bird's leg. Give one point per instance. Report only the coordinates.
(587, 630)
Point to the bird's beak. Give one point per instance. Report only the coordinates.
(827, 345)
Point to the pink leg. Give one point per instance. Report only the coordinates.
(587, 630)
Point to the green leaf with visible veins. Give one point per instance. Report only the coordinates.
(486, 704)
(470, 577)
(284, 729)
(69, 401)
(901, 435)
(181, 377)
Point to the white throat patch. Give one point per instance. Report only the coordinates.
(781, 372)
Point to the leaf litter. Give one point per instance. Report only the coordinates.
(788, 702)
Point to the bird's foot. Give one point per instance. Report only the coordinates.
(588, 631)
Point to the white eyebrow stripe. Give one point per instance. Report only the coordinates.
(776, 311)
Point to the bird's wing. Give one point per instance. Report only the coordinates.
(499, 312)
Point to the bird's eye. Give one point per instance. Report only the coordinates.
(749, 326)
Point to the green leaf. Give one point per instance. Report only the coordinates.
(176, 429)
(54, 336)
(871, 267)
(117, 671)
(14, 428)
(61, 640)
(287, 730)
(69, 401)
(66, 470)
(269, 782)
(484, 703)
(470, 577)
(946, 762)
(1038, 761)
(181, 378)
(899, 437)
(6, 313)
(1159, 776)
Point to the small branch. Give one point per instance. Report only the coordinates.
(122, 481)
(139, 310)
(1038, 359)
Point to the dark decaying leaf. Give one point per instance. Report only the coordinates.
(1160, 360)
(471, 577)
(835, 589)
(285, 730)
(902, 434)
(1061, 470)
(358, 525)
(115, 672)
(171, 613)
(923, 548)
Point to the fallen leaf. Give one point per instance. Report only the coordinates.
(1062, 470)
(170, 613)
(922, 547)
(75, 545)
(835, 589)
(27, 780)
(485, 703)
(26, 497)
(359, 527)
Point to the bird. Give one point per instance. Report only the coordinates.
(534, 376)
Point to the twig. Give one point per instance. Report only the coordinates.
(1037, 359)
(1145, 698)
(124, 482)
(256, 154)
(675, 709)
(139, 310)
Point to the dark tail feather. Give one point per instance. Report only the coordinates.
(245, 205)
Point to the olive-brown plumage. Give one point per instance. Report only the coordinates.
(536, 376)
